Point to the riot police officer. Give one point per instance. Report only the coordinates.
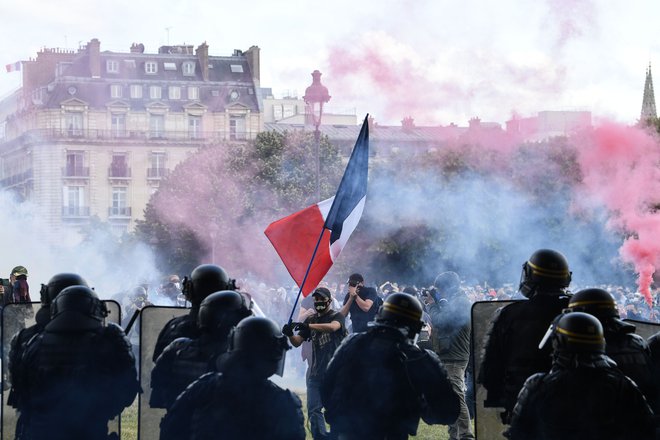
(377, 380)
(240, 402)
(204, 280)
(630, 351)
(48, 293)
(77, 374)
(584, 396)
(511, 352)
(186, 359)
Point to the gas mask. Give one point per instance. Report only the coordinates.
(321, 306)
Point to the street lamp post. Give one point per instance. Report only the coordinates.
(315, 96)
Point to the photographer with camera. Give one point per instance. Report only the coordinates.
(361, 302)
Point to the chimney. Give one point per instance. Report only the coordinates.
(252, 55)
(203, 57)
(94, 52)
(474, 123)
(137, 48)
(371, 122)
(408, 123)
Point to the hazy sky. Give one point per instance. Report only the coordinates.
(438, 61)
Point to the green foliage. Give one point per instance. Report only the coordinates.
(218, 202)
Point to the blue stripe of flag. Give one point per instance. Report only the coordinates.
(353, 186)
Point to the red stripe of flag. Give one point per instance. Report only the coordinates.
(294, 238)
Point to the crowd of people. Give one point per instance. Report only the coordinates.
(377, 358)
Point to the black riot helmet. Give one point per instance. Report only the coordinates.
(204, 280)
(259, 345)
(597, 302)
(77, 308)
(57, 283)
(575, 333)
(400, 311)
(220, 311)
(546, 270)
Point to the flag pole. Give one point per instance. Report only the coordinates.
(309, 267)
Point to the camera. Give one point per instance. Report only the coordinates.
(5, 282)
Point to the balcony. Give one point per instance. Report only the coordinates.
(157, 173)
(119, 211)
(76, 172)
(75, 211)
(119, 172)
(16, 179)
(85, 135)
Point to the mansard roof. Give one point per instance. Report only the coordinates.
(229, 83)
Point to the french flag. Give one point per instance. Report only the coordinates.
(13, 67)
(309, 241)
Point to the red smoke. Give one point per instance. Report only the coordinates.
(621, 169)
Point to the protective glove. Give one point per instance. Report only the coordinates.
(303, 330)
(287, 329)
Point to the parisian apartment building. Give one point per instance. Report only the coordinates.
(93, 132)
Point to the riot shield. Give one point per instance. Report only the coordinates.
(16, 317)
(645, 329)
(487, 422)
(151, 321)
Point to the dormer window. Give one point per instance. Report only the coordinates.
(150, 67)
(112, 66)
(236, 68)
(169, 66)
(188, 68)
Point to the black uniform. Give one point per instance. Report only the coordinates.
(179, 327)
(180, 364)
(74, 382)
(17, 348)
(217, 407)
(378, 385)
(511, 352)
(584, 398)
(632, 356)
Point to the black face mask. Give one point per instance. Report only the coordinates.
(321, 306)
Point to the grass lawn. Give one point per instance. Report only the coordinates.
(129, 425)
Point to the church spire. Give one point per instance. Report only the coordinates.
(648, 102)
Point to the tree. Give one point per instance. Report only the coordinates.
(216, 204)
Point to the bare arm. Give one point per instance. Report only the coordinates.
(346, 307)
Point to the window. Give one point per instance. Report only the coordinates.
(74, 201)
(115, 91)
(174, 92)
(169, 66)
(236, 128)
(118, 124)
(74, 164)
(156, 126)
(157, 165)
(118, 166)
(195, 127)
(112, 66)
(188, 68)
(193, 92)
(73, 123)
(155, 92)
(236, 68)
(288, 110)
(119, 202)
(277, 112)
(150, 67)
(136, 91)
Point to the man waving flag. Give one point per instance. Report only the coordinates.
(309, 241)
